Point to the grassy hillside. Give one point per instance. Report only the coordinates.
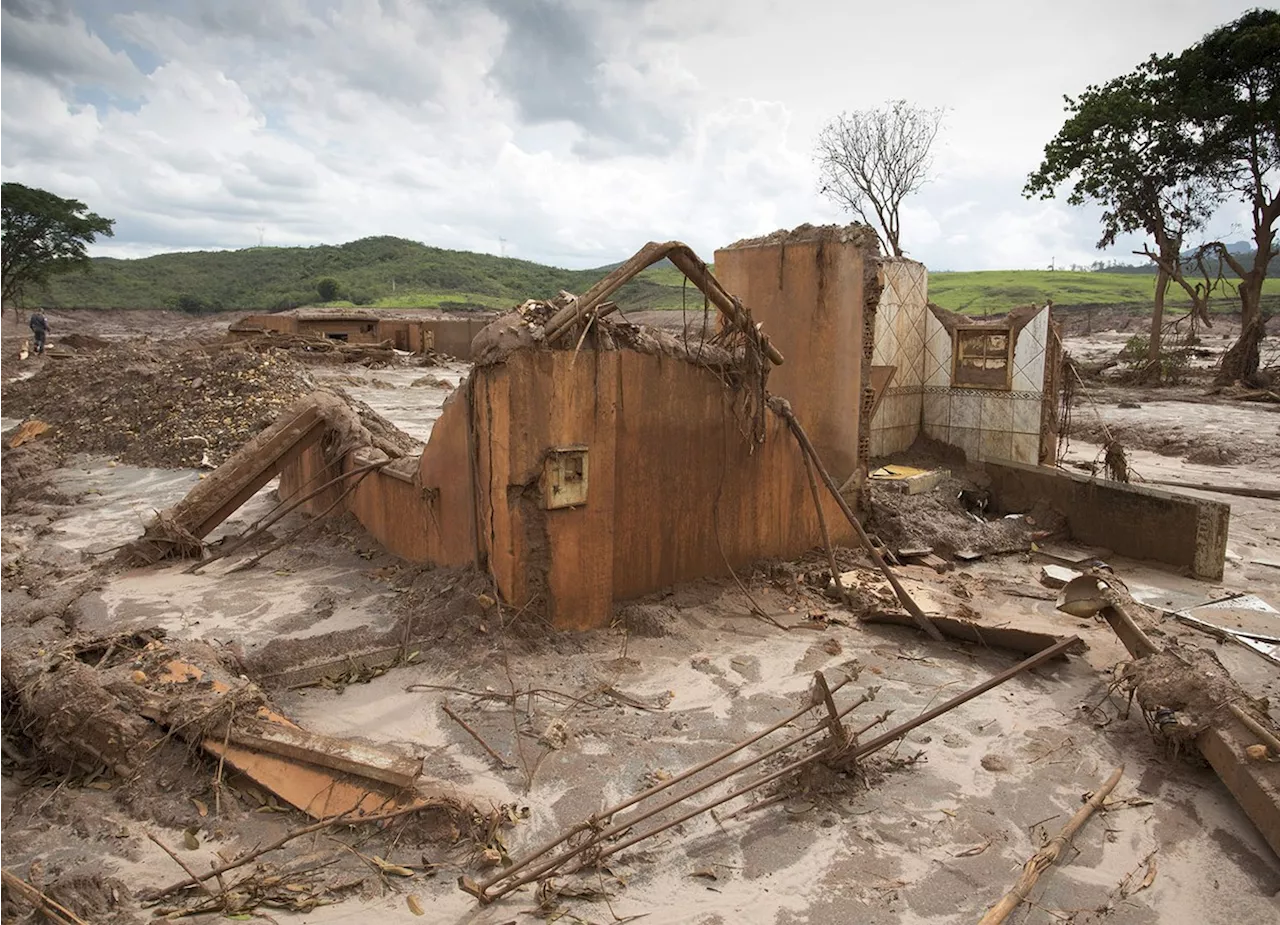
(999, 290)
(372, 271)
(394, 272)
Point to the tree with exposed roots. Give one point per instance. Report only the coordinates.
(871, 160)
(43, 235)
(1162, 148)
(1126, 147)
(1228, 85)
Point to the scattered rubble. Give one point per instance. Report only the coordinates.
(153, 406)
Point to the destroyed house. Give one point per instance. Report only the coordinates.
(586, 461)
(410, 330)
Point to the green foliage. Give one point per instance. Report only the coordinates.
(1127, 147)
(43, 235)
(373, 271)
(1161, 148)
(327, 289)
(1172, 368)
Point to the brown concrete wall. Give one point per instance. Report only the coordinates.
(693, 491)
(454, 335)
(355, 330)
(1141, 523)
(675, 490)
(812, 296)
(537, 401)
(281, 324)
(429, 517)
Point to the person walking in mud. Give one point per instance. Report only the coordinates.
(39, 325)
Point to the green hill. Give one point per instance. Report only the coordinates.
(998, 290)
(382, 271)
(394, 272)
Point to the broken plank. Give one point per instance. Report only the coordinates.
(1068, 555)
(318, 792)
(380, 764)
(993, 637)
(1057, 576)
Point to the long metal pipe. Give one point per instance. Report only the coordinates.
(860, 751)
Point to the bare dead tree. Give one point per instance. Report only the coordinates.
(871, 160)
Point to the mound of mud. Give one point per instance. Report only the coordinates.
(153, 407)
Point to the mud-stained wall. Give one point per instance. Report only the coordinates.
(814, 289)
(1141, 523)
(676, 490)
(251, 325)
(451, 336)
(423, 515)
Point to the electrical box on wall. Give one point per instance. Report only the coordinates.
(564, 477)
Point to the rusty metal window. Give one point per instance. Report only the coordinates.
(983, 358)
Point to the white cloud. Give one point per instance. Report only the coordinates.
(576, 131)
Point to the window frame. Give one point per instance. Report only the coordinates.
(986, 330)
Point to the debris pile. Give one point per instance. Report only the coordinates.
(177, 734)
(953, 519)
(167, 409)
(322, 351)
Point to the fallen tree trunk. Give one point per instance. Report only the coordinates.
(1242, 360)
(109, 701)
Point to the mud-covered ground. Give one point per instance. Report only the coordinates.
(932, 831)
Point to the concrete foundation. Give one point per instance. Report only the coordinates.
(1140, 523)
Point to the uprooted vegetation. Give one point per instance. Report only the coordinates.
(179, 737)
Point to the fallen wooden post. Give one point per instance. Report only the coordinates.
(53, 911)
(343, 755)
(1223, 743)
(180, 529)
(1047, 856)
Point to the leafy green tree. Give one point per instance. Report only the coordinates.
(1227, 87)
(1126, 147)
(43, 235)
(328, 289)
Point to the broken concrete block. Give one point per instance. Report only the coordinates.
(1057, 576)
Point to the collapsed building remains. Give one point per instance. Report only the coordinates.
(411, 330)
(544, 466)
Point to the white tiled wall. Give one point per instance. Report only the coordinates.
(986, 424)
(899, 341)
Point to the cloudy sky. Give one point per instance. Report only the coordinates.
(564, 131)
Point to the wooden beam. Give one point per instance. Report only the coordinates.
(344, 755)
